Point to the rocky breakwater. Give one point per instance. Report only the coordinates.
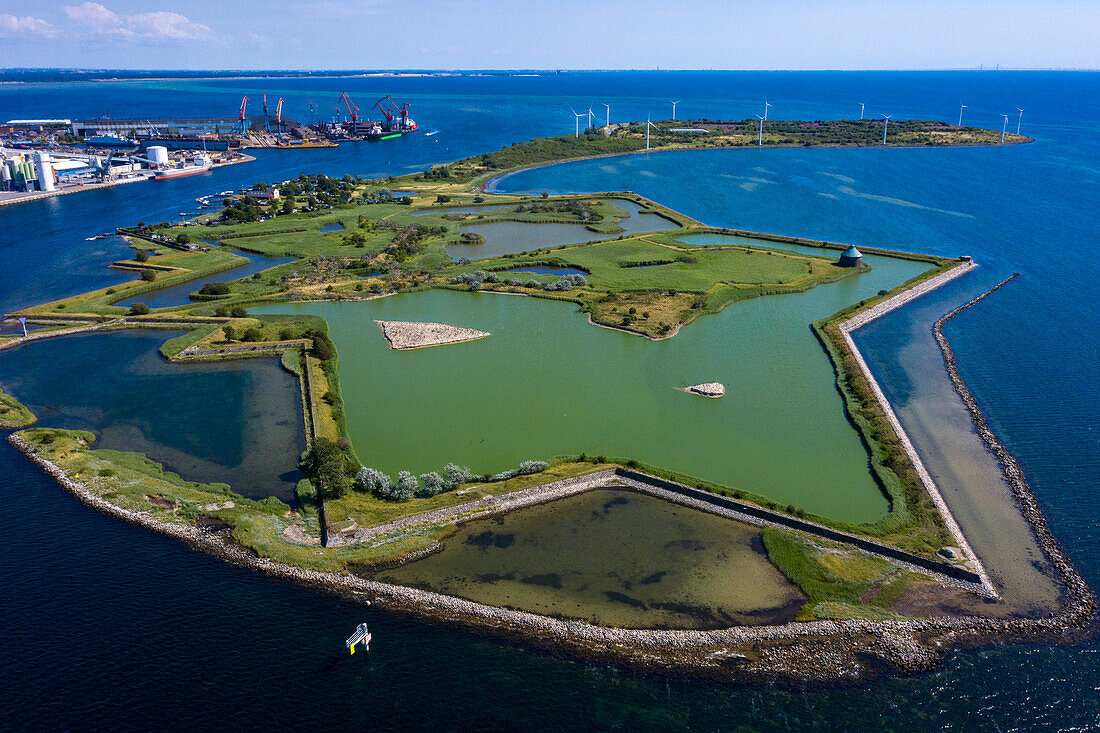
(1081, 605)
(403, 335)
(862, 318)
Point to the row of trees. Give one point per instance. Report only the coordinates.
(407, 485)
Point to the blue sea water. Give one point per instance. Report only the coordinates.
(109, 625)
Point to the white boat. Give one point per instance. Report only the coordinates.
(361, 636)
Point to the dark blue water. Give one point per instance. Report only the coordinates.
(180, 294)
(109, 625)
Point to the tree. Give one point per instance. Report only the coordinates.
(324, 463)
(373, 481)
(230, 333)
(183, 238)
(215, 289)
(288, 206)
(432, 483)
(238, 311)
(148, 276)
(139, 309)
(323, 347)
(252, 334)
(142, 255)
(406, 486)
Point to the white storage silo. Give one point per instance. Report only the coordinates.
(158, 154)
(45, 171)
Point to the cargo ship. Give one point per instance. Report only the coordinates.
(110, 141)
(198, 164)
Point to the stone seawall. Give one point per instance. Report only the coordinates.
(1082, 602)
(863, 318)
(815, 650)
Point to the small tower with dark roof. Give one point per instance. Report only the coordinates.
(850, 258)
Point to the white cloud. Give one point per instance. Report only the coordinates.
(156, 25)
(13, 25)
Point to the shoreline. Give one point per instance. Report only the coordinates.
(821, 651)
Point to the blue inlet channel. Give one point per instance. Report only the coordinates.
(113, 626)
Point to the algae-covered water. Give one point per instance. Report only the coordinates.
(548, 383)
(508, 237)
(615, 558)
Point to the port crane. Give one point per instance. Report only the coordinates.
(267, 127)
(279, 121)
(386, 111)
(241, 116)
(353, 111)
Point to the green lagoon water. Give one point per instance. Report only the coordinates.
(646, 563)
(548, 383)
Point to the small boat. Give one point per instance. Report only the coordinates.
(361, 636)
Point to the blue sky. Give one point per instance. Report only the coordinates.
(589, 34)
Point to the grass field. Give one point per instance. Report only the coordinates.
(13, 414)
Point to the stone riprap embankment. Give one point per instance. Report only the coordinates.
(38, 336)
(861, 319)
(479, 509)
(1082, 602)
(816, 650)
(415, 335)
(706, 389)
(265, 348)
(662, 489)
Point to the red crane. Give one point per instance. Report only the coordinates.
(241, 116)
(353, 111)
(386, 112)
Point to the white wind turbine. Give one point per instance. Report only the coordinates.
(674, 103)
(766, 105)
(577, 117)
(607, 120)
(1004, 127)
(1019, 119)
(861, 106)
(885, 127)
(760, 134)
(961, 108)
(589, 118)
(648, 125)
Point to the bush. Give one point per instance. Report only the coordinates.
(139, 309)
(230, 333)
(148, 276)
(238, 311)
(222, 311)
(442, 199)
(432, 484)
(323, 347)
(457, 475)
(142, 255)
(215, 289)
(373, 481)
(406, 486)
(252, 334)
(529, 467)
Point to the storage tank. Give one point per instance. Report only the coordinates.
(45, 171)
(158, 154)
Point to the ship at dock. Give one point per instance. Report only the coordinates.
(189, 167)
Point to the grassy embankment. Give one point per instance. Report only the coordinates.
(13, 413)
